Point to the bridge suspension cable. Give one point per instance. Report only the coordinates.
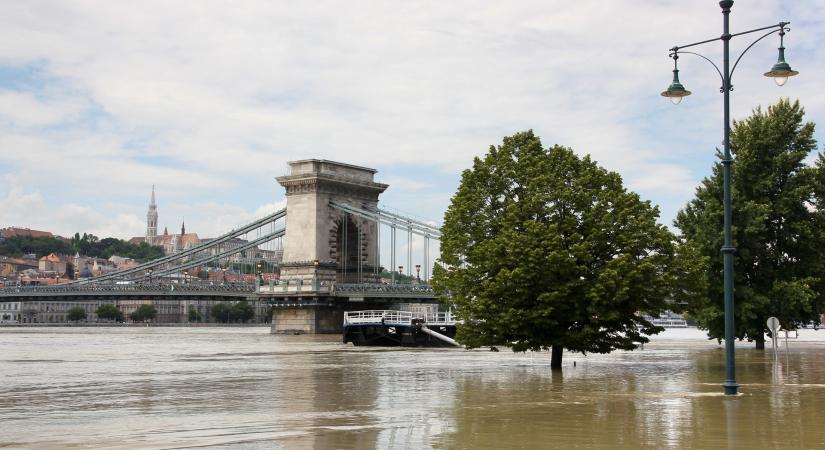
(391, 219)
(205, 259)
(140, 268)
(396, 222)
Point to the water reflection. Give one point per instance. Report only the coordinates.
(167, 388)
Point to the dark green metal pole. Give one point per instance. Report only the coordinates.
(730, 385)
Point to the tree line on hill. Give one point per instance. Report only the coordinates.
(85, 244)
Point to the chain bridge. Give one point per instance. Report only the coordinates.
(330, 237)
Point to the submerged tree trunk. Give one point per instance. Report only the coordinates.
(760, 342)
(555, 358)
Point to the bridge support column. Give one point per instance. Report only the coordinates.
(307, 320)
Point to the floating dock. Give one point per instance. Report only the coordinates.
(392, 328)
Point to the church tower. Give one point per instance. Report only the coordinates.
(152, 221)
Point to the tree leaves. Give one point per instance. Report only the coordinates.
(777, 225)
(542, 248)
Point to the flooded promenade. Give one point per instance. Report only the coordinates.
(245, 388)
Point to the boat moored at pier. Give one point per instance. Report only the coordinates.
(392, 328)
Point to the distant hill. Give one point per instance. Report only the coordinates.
(86, 244)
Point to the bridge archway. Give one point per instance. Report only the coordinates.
(348, 249)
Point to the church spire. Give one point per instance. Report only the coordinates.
(183, 227)
(152, 220)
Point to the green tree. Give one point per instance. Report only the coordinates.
(76, 314)
(777, 226)
(41, 246)
(109, 312)
(144, 313)
(220, 312)
(194, 315)
(241, 311)
(543, 249)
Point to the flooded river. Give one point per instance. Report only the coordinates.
(245, 388)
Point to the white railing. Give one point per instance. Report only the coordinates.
(394, 317)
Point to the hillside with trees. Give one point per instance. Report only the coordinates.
(85, 244)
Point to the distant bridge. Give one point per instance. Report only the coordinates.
(331, 256)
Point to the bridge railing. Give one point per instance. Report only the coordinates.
(395, 317)
(384, 288)
(387, 317)
(125, 288)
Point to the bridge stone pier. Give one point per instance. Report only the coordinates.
(324, 245)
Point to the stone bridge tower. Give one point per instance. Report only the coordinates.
(324, 244)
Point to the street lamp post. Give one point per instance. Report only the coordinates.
(676, 91)
(400, 273)
(418, 272)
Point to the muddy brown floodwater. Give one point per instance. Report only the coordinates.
(244, 388)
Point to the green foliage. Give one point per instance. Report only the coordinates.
(778, 227)
(109, 312)
(90, 245)
(144, 313)
(400, 278)
(239, 312)
(87, 245)
(220, 312)
(194, 315)
(544, 249)
(76, 314)
(41, 246)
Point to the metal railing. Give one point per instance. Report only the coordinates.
(395, 317)
(128, 288)
(379, 288)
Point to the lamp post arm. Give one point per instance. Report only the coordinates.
(721, 77)
(781, 28)
(780, 25)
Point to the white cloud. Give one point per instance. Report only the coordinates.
(209, 100)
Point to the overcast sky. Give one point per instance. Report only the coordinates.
(209, 100)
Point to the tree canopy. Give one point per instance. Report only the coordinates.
(110, 312)
(239, 312)
(41, 246)
(777, 210)
(76, 314)
(194, 315)
(90, 245)
(542, 249)
(86, 244)
(144, 313)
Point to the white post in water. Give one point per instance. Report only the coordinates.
(773, 325)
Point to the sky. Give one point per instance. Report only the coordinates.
(209, 100)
